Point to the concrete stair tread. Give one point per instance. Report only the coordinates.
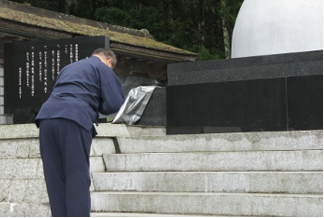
(96, 214)
(274, 195)
(307, 160)
(228, 204)
(239, 141)
(208, 152)
(244, 182)
(211, 172)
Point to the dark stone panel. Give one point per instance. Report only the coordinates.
(250, 105)
(258, 67)
(155, 111)
(305, 102)
(266, 93)
(30, 70)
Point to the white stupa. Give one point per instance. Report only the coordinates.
(265, 27)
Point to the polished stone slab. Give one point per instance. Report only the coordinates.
(155, 111)
(261, 93)
(272, 104)
(257, 67)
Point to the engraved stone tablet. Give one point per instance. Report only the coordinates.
(30, 70)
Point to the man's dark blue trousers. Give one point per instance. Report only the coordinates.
(65, 150)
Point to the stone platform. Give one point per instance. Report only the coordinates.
(141, 171)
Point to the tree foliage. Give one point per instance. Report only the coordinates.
(202, 26)
(57, 5)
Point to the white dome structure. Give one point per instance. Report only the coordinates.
(265, 27)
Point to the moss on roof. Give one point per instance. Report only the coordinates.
(65, 25)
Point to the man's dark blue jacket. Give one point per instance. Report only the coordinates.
(82, 89)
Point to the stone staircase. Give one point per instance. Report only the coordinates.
(226, 174)
(140, 171)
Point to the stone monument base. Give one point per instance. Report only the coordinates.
(264, 93)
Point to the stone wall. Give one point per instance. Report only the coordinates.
(22, 185)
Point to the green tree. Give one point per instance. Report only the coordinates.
(58, 5)
(202, 26)
(228, 11)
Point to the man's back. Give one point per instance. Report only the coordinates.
(81, 90)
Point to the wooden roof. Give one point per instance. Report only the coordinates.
(35, 23)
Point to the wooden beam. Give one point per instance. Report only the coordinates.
(30, 32)
(150, 54)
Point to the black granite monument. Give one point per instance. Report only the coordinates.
(265, 93)
(30, 70)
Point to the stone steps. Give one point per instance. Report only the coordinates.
(239, 183)
(217, 182)
(226, 174)
(138, 215)
(216, 161)
(247, 141)
(229, 204)
(139, 172)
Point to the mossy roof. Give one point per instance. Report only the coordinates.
(60, 23)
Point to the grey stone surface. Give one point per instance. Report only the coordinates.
(111, 130)
(146, 130)
(217, 161)
(155, 111)
(19, 148)
(21, 168)
(23, 191)
(102, 146)
(21, 131)
(94, 214)
(97, 164)
(29, 148)
(8, 209)
(105, 130)
(33, 168)
(257, 141)
(226, 182)
(25, 131)
(259, 67)
(209, 203)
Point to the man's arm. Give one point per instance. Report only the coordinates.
(112, 96)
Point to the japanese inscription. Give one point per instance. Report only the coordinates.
(31, 68)
(48, 64)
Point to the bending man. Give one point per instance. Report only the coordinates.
(82, 89)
